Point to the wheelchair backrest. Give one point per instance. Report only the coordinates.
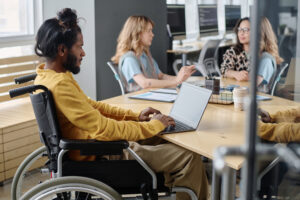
(45, 113)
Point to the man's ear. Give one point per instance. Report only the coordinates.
(61, 50)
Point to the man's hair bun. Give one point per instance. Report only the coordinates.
(68, 17)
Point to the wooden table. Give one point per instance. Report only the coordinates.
(221, 125)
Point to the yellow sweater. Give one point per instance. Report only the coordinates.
(285, 127)
(80, 117)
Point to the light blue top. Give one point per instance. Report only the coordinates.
(130, 66)
(267, 70)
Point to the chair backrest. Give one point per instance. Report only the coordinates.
(45, 114)
(287, 47)
(280, 71)
(115, 70)
(208, 58)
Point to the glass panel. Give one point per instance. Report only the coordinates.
(16, 18)
(279, 121)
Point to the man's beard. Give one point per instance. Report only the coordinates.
(70, 64)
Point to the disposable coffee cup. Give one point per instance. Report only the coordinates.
(239, 97)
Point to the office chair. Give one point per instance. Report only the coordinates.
(208, 59)
(115, 69)
(287, 47)
(280, 71)
(102, 179)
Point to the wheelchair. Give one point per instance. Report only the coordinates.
(99, 179)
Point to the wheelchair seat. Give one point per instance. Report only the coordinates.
(126, 177)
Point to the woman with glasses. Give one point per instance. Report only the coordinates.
(236, 59)
(137, 67)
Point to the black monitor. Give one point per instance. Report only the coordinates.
(232, 15)
(176, 19)
(208, 18)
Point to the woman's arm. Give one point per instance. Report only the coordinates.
(238, 75)
(165, 80)
(266, 70)
(144, 82)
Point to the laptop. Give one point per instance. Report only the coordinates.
(188, 108)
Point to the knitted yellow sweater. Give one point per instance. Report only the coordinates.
(285, 127)
(80, 117)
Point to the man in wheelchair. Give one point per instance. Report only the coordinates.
(60, 41)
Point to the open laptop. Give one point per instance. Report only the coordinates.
(188, 108)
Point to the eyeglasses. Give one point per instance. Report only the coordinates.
(244, 30)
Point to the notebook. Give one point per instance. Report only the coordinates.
(262, 98)
(155, 96)
(165, 90)
(188, 108)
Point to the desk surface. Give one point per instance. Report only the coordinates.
(220, 125)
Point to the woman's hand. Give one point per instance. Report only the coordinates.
(241, 75)
(145, 114)
(166, 120)
(184, 73)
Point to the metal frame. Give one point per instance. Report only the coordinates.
(170, 196)
(117, 76)
(219, 166)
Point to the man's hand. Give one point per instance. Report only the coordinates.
(145, 114)
(264, 116)
(166, 120)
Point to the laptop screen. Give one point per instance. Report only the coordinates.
(190, 104)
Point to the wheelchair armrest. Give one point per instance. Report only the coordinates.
(94, 147)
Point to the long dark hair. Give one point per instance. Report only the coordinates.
(239, 47)
(56, 31)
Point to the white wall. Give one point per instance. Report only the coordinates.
(86, 9)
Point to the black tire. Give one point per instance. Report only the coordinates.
(69, 187)
(19, 185)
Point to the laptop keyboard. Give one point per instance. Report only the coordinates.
(178, 127)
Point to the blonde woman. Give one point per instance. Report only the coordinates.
(269, 56)
(136, 65)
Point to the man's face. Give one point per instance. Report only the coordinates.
(75, 55)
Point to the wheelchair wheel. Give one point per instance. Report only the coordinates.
(25, 177)
(72, 188)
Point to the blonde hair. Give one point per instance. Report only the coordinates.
(129, 38)
(268, 40)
